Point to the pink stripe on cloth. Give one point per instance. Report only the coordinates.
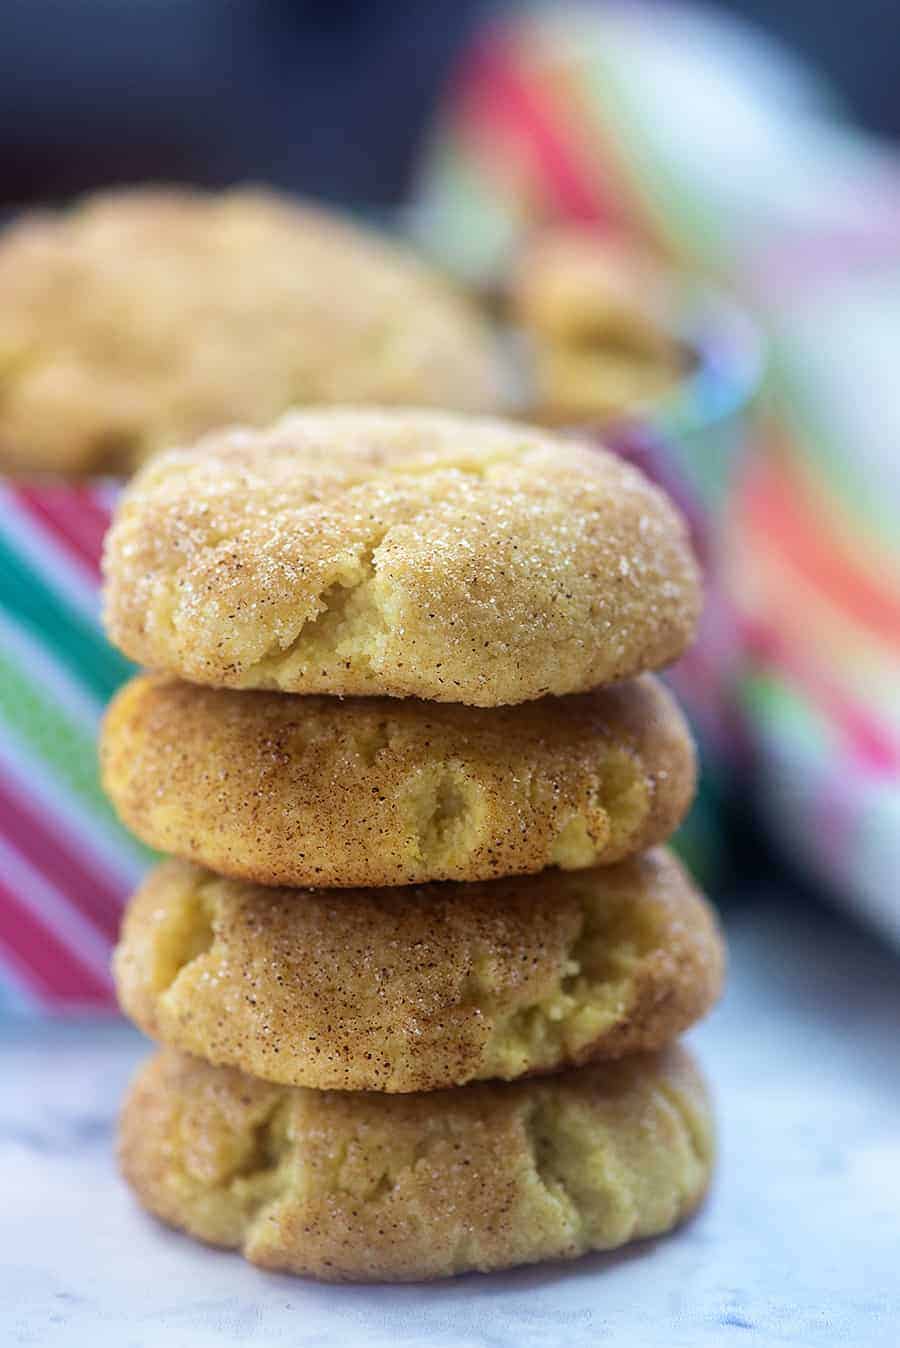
(873, 743)
(784, 520)
(791, 268)
(489, 86)
(73, 517)
(63, 862)
(836, 812)
(47, 966)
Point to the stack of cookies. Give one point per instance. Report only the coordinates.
(418, 967)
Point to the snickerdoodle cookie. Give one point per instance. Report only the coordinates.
(598, 315)
(408, 989)
(291, 790)
(384, 1188)
(402, 553)
(145, 317)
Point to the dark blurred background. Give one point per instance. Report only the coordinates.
(328, 98)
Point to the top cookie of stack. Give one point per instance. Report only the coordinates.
(402, 554)
(143, 318)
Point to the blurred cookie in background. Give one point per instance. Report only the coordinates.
(144, 317)
(598, 319)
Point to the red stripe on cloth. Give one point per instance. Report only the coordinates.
(49, 851)
(492, 92)
(72, 517)
(628, 208)
(92, 513)
(772, 504)
(872, 743)
(53, 970)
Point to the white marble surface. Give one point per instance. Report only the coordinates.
(798, 1244)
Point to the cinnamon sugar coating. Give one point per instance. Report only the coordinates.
(399, 1188)
(399, 553)
(409, 989)
(290, 790)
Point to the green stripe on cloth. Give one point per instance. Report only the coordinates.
(690, 223)
(779, 712)
(468, 225)
(68, 752)
(821, 445)
(73, 638)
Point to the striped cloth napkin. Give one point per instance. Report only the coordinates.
(700, 139)
(66, 865)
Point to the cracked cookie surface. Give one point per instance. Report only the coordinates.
(371, 552)
(417, 988)
(144, 318)
(369, 1187)
(291, 790)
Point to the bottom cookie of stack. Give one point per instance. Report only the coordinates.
(366, 1186)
